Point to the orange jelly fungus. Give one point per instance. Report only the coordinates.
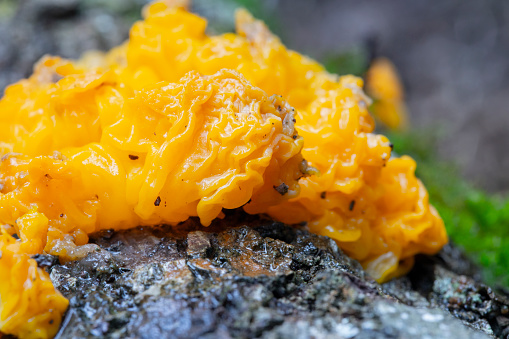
(175, 124)
(384, 86)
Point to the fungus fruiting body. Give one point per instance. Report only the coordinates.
(384, 87)
(176, 124)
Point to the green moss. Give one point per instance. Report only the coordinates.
(220, 14)
(354, 61)
(7, 9)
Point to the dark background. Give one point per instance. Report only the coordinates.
(453, 56)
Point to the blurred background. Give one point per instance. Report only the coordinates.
(452, 57)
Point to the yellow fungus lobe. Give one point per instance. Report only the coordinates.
(175, 150)
(384, 86)
(30, 307)
(175, 124)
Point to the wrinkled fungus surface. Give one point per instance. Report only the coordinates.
(176, 124)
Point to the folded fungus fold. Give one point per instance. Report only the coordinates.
(176, 124)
